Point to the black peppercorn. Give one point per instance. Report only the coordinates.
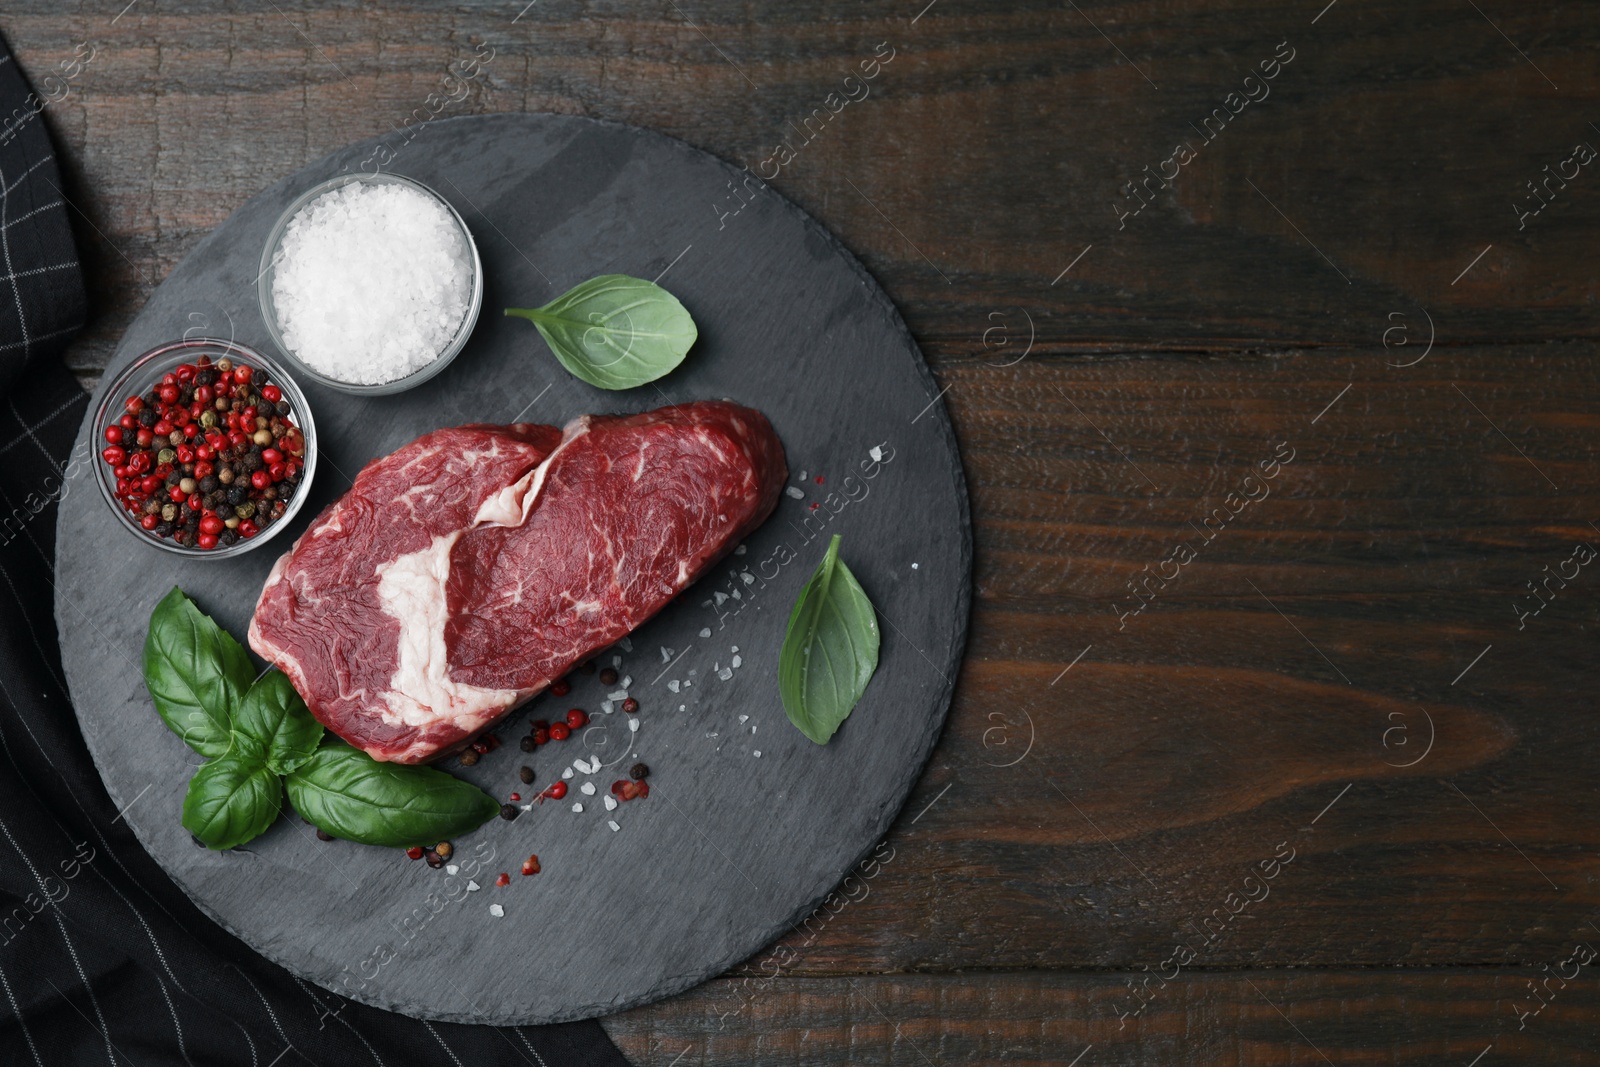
(434, 859)
(608, 676)
(224, 511)
(638, 771)
(322, 835)
(238, 495)
(528, 744)
(209, 483)
(147, 418)
(526, 774)
(282, 407)
(229, 537)
(509, 811)
(164, 529)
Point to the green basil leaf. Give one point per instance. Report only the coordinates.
(829, 651)
(348, 794)
(615, 332)
(231, 800)
(196, 673)
(273, 724)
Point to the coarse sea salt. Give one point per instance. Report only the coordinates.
(371, 282)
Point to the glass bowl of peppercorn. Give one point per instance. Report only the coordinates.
(207, 447)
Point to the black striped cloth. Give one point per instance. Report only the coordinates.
(102, 959)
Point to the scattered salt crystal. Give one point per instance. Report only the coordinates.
(473, 887)
(626, 644)
(616, 661)
(743, 719)
(717, 666)
(741, 550)
(567, 773)
(611, 802)
(735, 648)
(913, 566)
(578, 808)
(607, 706)
(796, 493)
(693, 671)
(613, 824)
(633, 726)
(876, 453)
(452, 869)
(683, 707)
(666, 654)
(371, 282)
(725, 673)
(587, 789)
(719, 598)
(757, 753)
(752, 727)
(673, 686)
(620, 694)
(749, 579)
(706, 632)
(802, 476)
(627, 680)
(738, 661)
(497, 911)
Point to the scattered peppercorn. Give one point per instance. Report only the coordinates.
(577, 718)
(556, 791)
(630, 705)
(444, 848)
(469, 757)
(503, 881)
(530, 865)
(509, 811)
(415, 852)
(434, 859)
(560, 687)
(608, 676)
(323, 835)
(528, 744)
(526, 774)
(559, 731)
(638, 771)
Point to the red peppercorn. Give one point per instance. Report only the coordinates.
(201, 469)
(150, 522)
(530, 865)
(560, 687)
(577, 718)
(196, 502)
(541, 736)
(144, 438)
(415, 852)
(269, 456)
(135, 404)
(169, 394)
(242, 373)
(162, 427)
(206, 540)
(560, 731)
(184, 372)
(114, 455)
(150, 484)
(261, 479)
(630, 705)
(271, 393)
(556, 791)
(177, 495)
(203, 394)
(503, 881)
(113, 435)
(248, 528)
(278, 471)
(211, 524)
(515, 798)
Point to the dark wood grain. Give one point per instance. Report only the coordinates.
(1334, 616)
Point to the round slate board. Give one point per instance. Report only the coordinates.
(749, 824)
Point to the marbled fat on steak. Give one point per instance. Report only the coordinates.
(464, 573)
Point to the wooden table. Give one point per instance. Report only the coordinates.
(1275, 740)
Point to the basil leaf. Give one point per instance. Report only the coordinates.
(615, 332)
(196, 673)
(274, 726)
(829, 651)
(231, 800)
(347, 793)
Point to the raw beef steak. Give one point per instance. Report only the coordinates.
(529, 572)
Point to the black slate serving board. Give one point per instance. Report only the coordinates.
(731, 848)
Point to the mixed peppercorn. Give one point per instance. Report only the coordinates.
(210, 454)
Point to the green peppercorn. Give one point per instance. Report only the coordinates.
(244, 510)
(169, 512)
(165, 456)
(176, 438)
(208, 419)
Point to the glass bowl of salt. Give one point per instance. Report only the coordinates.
(370, 283)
